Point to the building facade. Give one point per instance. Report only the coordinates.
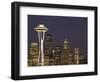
(33, 56)
(77, 56)
(67, 56)
(48, 45)
(57, 54)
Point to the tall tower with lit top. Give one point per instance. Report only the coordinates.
(65, 53)
(41, 29)
(66, 44)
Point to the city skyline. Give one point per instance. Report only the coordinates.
(46, 52)
(55, 54)
(72, 28)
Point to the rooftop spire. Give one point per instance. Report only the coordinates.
(65, 41)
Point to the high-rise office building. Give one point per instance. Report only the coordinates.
(48, 46)
(57, 54)
(77, 56)
(66, 54)
(33, 54)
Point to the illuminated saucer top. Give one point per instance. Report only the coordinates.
(41, 28)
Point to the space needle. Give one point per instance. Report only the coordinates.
(41, 29)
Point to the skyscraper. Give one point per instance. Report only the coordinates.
(48, 46)
(77, 55)
(57, 53)
(33, 54)
(66, 54)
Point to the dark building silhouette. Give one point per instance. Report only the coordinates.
(48, 46)
(83, 60)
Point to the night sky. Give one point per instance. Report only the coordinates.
(60, 27)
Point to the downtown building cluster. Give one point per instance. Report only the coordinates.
(55, 53)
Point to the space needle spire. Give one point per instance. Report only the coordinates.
(41, 29)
